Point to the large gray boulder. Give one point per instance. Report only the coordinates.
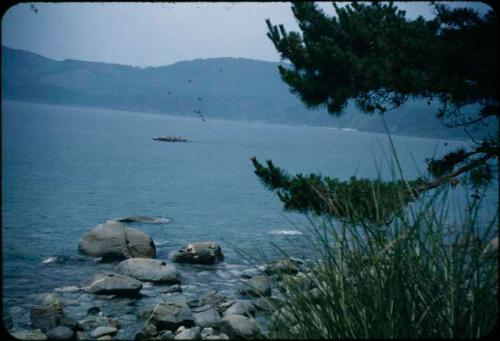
(114, 241)
(109, 283)
(199, 253)
(257, 286)
(237, 326)
(150, 270)
(172, 314)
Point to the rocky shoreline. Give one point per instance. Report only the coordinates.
(144, 298)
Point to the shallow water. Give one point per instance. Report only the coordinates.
(66, 169)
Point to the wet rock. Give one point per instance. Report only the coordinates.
(61, 333)
(139, 219)
(299, 282)
(69, 322)
(194, 302)
(282, 266)
(241, 307)
(114, 284)
(266, 303)
(147, 333)
(101, 331)
(189, 334)
(171, 315)
(94, 322)
(213, 297)
(172, 289)
(199, 253)
(256, 286)
(239, 326)
(105, 338)
(166, 335)
(211, 334)
(29, 335)
(207, 318)
(150, 270)
(53, 299)
(45, 317)
(93, 311)
(114, 241)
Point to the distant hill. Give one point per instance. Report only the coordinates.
(228, 88)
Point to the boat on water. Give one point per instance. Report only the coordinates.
(170, 139)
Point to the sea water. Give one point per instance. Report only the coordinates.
(67, 169)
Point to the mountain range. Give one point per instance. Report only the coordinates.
(226, 88)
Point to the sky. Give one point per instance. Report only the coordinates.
(154, 34)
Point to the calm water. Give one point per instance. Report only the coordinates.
(66, 169)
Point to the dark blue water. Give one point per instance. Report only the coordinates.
(66, 169)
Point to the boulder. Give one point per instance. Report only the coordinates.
(199, 253)
(257, 286)
(171, 315)
(61, 333)
(114, 241)
(241, 307)
(109, 283)
(150, 270)
(91, 323)
(237, 326)
(207, 318)
(189, 334)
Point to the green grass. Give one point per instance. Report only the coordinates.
(420, 276)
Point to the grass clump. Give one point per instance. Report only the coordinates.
(419, 276)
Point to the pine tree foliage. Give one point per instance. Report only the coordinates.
(374, 55)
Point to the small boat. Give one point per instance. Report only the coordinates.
(169, 139)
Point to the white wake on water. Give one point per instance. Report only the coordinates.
(285, 232)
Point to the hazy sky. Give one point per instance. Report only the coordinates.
(152, 34)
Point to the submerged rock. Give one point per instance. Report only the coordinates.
(199, 253)
(256, 286)
(114, 284)
(150, 270)
(114, 241)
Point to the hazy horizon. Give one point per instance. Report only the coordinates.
(158, 34)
